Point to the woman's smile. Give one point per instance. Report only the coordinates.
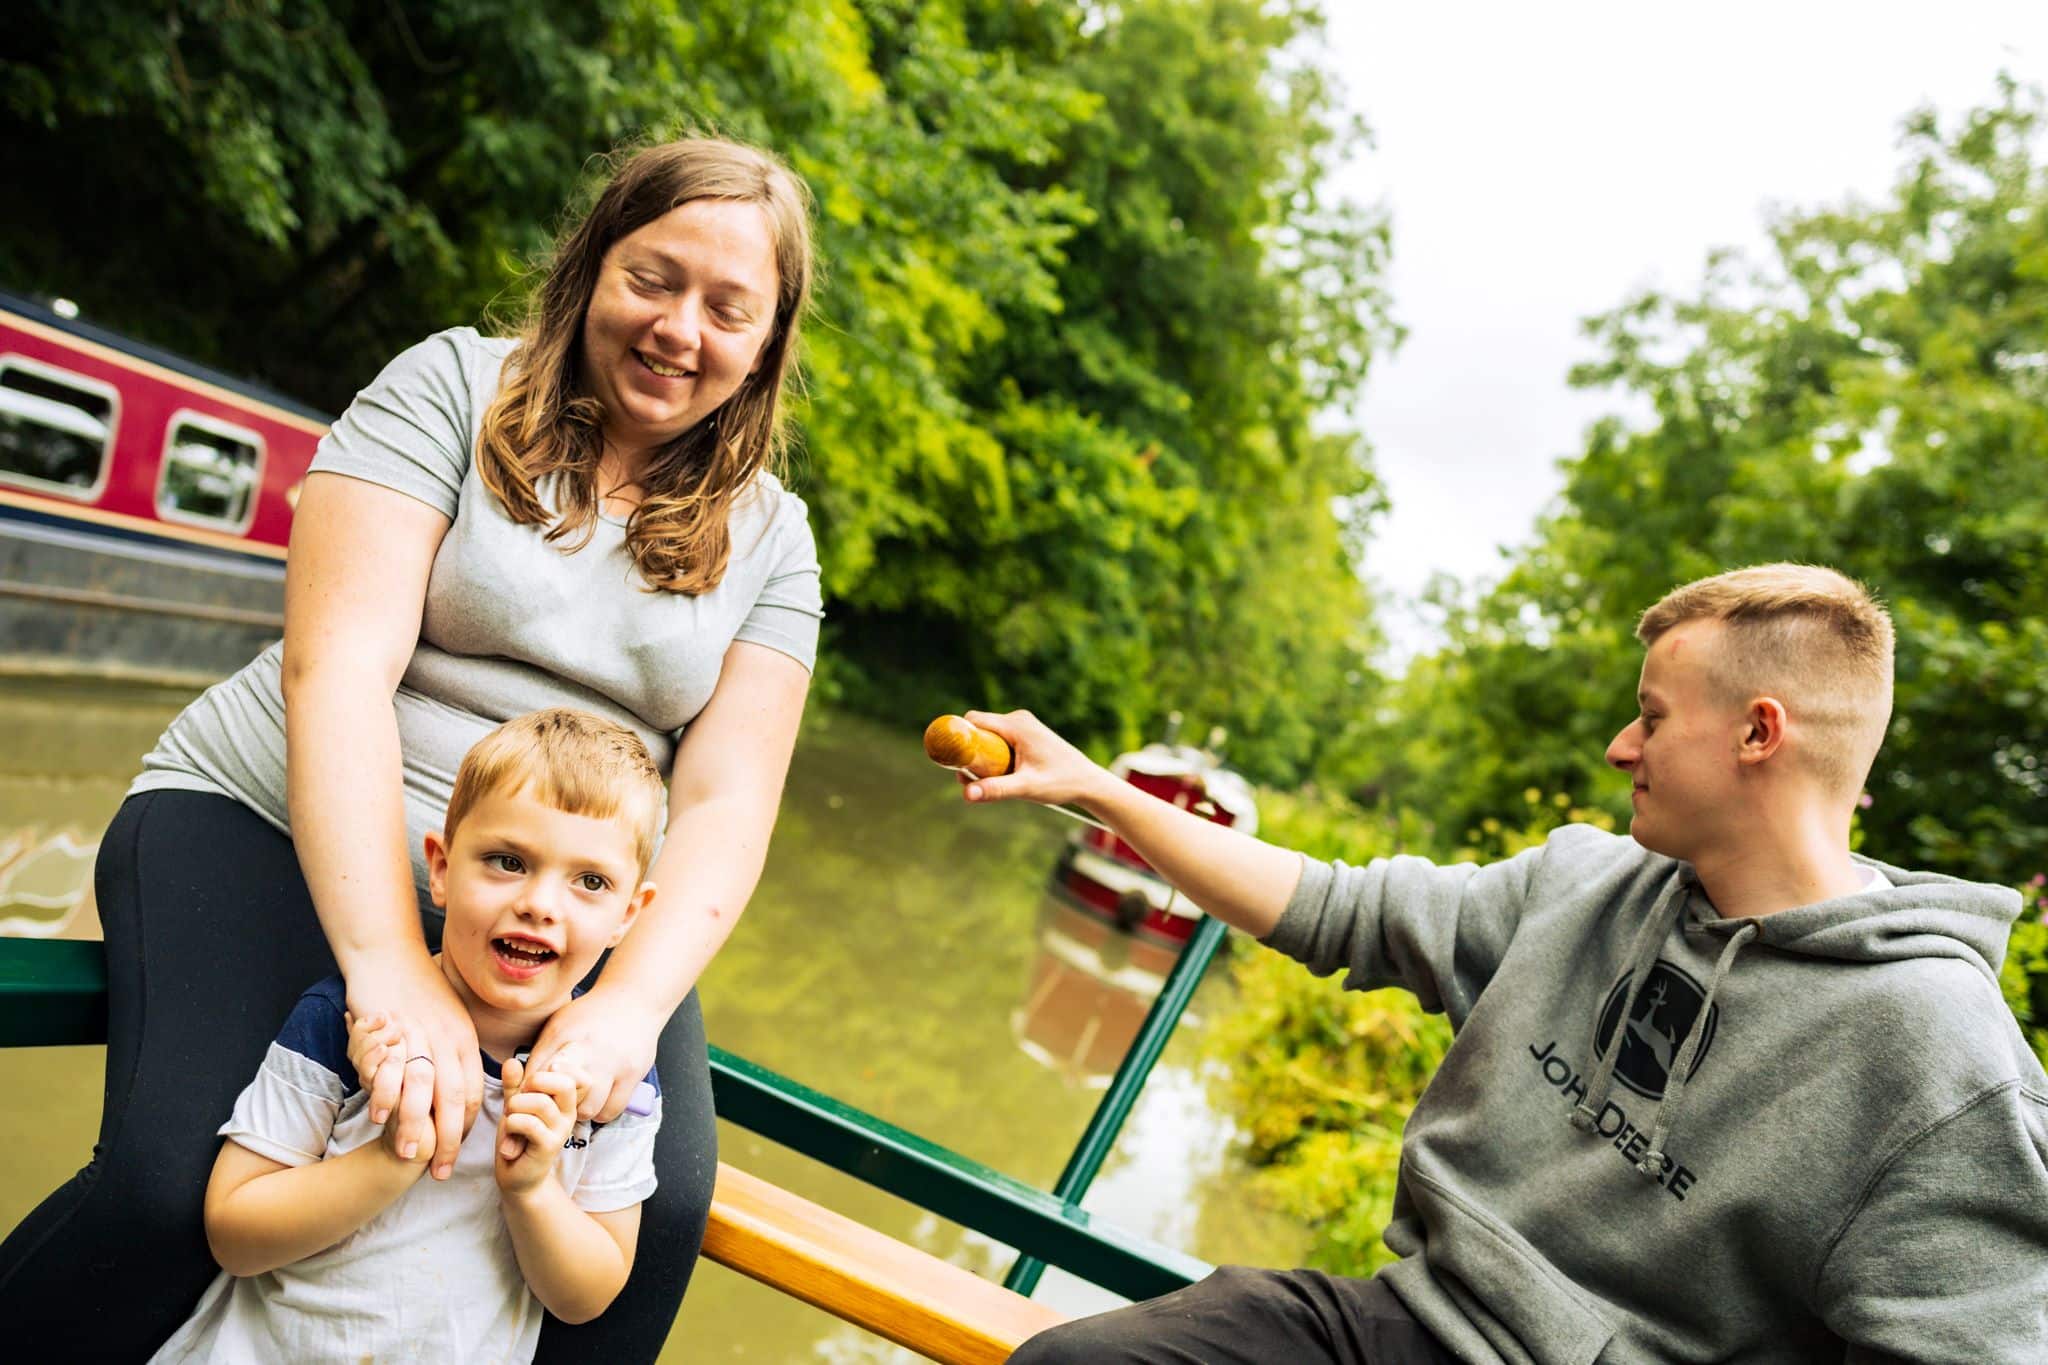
(662, 371)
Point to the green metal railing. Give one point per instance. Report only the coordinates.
(54, 992)
(1100, 1135)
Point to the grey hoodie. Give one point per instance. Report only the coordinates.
(1843, 1156)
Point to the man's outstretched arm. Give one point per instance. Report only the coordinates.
(1438, 931)
(1242, 881)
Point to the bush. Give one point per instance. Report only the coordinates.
(2024, 976)
(1323, 1081)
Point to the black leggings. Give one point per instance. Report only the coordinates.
(211, 937)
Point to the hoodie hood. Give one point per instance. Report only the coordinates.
(1920, 915)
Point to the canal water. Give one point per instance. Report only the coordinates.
(902, 954)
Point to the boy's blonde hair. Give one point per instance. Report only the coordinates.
(576, 762)
(1815, 639)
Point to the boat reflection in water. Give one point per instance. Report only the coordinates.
(1091, 985)
(1111, 928)
(46, 883)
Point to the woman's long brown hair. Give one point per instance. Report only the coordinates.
(542, 424)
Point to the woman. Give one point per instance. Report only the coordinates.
(583, 516)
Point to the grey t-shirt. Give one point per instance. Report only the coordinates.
(511, 623)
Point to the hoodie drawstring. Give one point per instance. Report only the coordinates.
(1642, 955)
(1652, 1164)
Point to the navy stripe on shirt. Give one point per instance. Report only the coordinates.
(317, 1030)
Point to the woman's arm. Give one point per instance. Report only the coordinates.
(262, 1214)
(723, 795)
(355, 589)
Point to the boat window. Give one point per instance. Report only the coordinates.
(56, 428)
(210, 473)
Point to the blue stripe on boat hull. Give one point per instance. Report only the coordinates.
(59, 520)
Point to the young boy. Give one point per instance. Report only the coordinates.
(333, 1246)
(1721, 1090)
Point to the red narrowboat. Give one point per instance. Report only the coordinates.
(1101, 873)
(145, 503)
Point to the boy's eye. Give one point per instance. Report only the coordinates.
(504, 862)
(591, 882)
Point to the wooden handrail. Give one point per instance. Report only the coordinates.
(863, 1276)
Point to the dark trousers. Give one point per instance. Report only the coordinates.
(211, 937)
(1248, 1317)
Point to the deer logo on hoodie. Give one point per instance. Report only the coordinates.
(1663, 1015)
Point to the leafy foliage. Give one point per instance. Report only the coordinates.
(2024, 976)
(1085, 290)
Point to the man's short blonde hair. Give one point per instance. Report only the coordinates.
(572, 760)
(1814, 639)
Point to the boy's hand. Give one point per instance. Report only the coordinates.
(372, 1041)
(540, 1116)
(563, 1064)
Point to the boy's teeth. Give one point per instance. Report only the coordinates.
(524, 952)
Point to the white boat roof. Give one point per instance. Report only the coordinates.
(1226, 788)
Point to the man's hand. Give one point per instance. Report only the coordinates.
(1048, 769)
(607, 1042)
(1229, 874)
(540, 1115)
(436, 1075)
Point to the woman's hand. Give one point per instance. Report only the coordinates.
(436, 1075)
(373, 1041)
(605, 1042)
(1048, 769)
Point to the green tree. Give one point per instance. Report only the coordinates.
(1875, 397)
(1085, 289)
(1197, 550)
(294, 189)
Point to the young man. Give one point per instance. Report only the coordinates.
(333, 1246)
(1721, 1090)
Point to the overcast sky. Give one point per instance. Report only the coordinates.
(1541, 162)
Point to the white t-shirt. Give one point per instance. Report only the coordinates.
(433, 1277)
(510, 623)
